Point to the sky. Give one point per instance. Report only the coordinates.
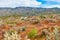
(30, 3)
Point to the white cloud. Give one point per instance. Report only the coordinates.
(14, 3)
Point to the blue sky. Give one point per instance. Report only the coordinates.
(30, 3)
(49, 3)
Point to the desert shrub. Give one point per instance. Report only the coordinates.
(51, 16)
(42, 16)
(32, 33)
(35, 21)
(23, 28)
(11, 22)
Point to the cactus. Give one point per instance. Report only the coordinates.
(11, 35)
(47, 34)
(56, 33)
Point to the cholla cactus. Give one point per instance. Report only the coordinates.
(11, 36)
(47, 34)
(26, 38)
(23, 18)
(56, 33)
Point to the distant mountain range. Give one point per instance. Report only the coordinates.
(28, 11)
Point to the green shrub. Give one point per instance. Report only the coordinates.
(42, 16)
(32, 33)
(51, 16)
